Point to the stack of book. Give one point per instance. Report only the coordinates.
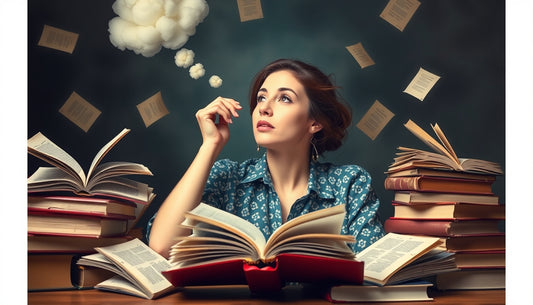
(71, 212)
(438, 194)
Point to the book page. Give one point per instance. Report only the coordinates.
(104, 150)
(141, 262)
(58, 39)
(421, 84)
(374, 120)
(392, 252)
(426, 138)
(331, 224)
(230, 222)
(41, 147)
(152, 109)
(360, 55)
(250, 10)
(119, 284)
(79, 111)
(399, 12)
(444, 141)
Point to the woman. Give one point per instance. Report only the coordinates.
(296, 116)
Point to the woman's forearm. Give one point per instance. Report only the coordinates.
(185, 196)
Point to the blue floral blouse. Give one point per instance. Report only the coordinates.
(246, 190)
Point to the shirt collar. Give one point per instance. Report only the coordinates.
(317, 172)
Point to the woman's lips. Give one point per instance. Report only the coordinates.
(264, 126)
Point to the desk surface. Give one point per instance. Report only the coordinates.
(241, 295)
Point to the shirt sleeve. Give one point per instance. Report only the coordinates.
(221, 181)
(363, 220)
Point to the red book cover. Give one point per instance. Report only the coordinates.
(441, 227)
(448, 210)
(439, 184)
(42, 211)
(272, 277)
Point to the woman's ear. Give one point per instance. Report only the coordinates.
(315, 127)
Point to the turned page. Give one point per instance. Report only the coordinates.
(392, 252)
(42, 148)
(141, 262)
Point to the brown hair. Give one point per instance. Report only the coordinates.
(324, 107)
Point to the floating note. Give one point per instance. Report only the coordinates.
(374, 120)
(79, 111)
(250, 10)
(399, 12)
(152, 109)
(421, 84)
(360, 55)
(58, 39)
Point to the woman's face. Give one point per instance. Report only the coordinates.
(281, 116)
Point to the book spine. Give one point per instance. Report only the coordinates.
(425, 227)
(402, 183)
(263, 279)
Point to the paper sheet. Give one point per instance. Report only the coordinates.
(399, 12)
(58, 39)
(421, 84)
(375, 119)
(152, 109)
(360, 55)
(79, 111)
(250, 10)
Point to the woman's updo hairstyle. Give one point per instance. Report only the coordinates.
(324, 106)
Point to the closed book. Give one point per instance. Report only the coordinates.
(46, 243)
(480, 259)
(414, 197)
(407, 292)
(83, 204)
(451, 211)
(442, 173)
(438, 184)
(471, 279)
(88, 277)
(474, 243)
(49, 271)
(75, 224)
(441, 227)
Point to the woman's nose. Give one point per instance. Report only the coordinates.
(265, 107)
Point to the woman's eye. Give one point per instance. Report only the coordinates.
(261, 98)
(285, 99)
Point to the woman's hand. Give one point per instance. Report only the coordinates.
(214, 132)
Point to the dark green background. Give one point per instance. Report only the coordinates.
(462, 41)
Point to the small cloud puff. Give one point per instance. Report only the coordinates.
(145, 26)
(197, 71)
(215, 81)
(184, 58)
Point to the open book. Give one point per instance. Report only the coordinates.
(226, 249)
(101, 179)
(398, 258)
(444, 156)
(137, 268)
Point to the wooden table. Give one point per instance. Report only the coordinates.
(241, 295)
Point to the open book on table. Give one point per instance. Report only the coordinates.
(398, 258)
(101, 179)
(226, 249)
(137, 267)
(444, 156)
